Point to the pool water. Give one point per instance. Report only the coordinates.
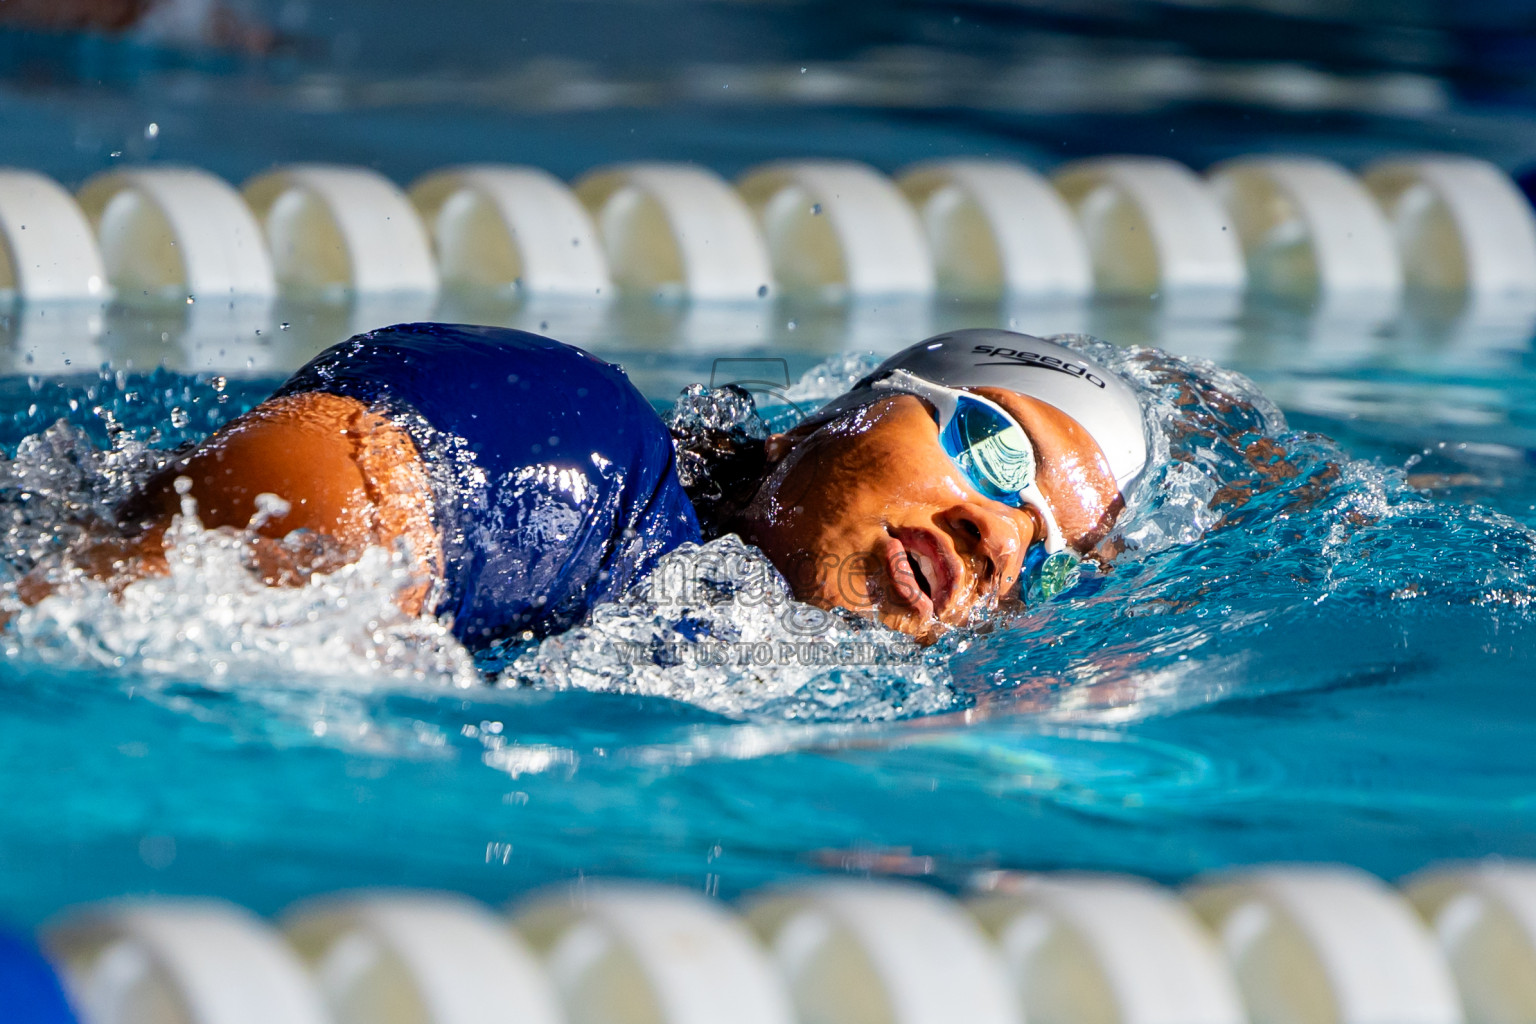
(1311, 649)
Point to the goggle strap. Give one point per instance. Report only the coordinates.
(1054, 539)
(943, 399)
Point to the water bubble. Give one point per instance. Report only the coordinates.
(792, 325)
(157, 852)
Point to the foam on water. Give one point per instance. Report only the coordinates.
(715, 626)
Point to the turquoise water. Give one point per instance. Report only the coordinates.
(1330, 665)
(1336, 669)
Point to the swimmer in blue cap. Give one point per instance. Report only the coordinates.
(530, 481)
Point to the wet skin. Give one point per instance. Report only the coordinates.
(868, 513)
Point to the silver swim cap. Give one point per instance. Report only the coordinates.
(1092, 394)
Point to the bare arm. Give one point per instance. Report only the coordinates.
(349, 477)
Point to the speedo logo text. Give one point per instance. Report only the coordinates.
(1010, 356)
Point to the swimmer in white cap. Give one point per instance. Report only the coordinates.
(922, 495)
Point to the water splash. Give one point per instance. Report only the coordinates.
(212, 618)
(715, 625)
(1253, 559)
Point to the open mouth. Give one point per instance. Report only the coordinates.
(922, 571)
(917, 574)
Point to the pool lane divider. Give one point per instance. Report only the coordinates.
(48, 252)
(1461, 224)
(420, 957)
(1304, 938)
(192, 960)
(1151, 223)
(630, 953)
(998, 228)
(166, 233)
(502, 230)
(882, 951)
(676, 231)
(837, 228)
(333, 230)
(1308, 226)
(987, 229)
(1301, 943)
(1106, 947)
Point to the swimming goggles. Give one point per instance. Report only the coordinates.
(987, 445)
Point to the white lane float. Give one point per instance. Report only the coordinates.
(838, 227)
(1484, 918)
(883, 953)
(510, 229)
(334, 231)
(429, 958)
(1461, 224)
(628, 953)
(180, 962)
(997, 228)
(1106, 948)
(676, 230)
(1308, 228)
(167, 233)
(47, 250)
(1326, 944)
(1153, 226)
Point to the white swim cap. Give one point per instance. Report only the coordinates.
(1089, 392)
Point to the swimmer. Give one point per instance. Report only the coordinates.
(529, 481)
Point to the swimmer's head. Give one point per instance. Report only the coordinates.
(874, 505)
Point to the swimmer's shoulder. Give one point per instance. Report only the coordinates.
(433, 365)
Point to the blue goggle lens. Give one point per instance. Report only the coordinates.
(991, 450)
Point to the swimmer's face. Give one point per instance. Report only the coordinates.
(867, 512)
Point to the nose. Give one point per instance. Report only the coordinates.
(994, 543)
